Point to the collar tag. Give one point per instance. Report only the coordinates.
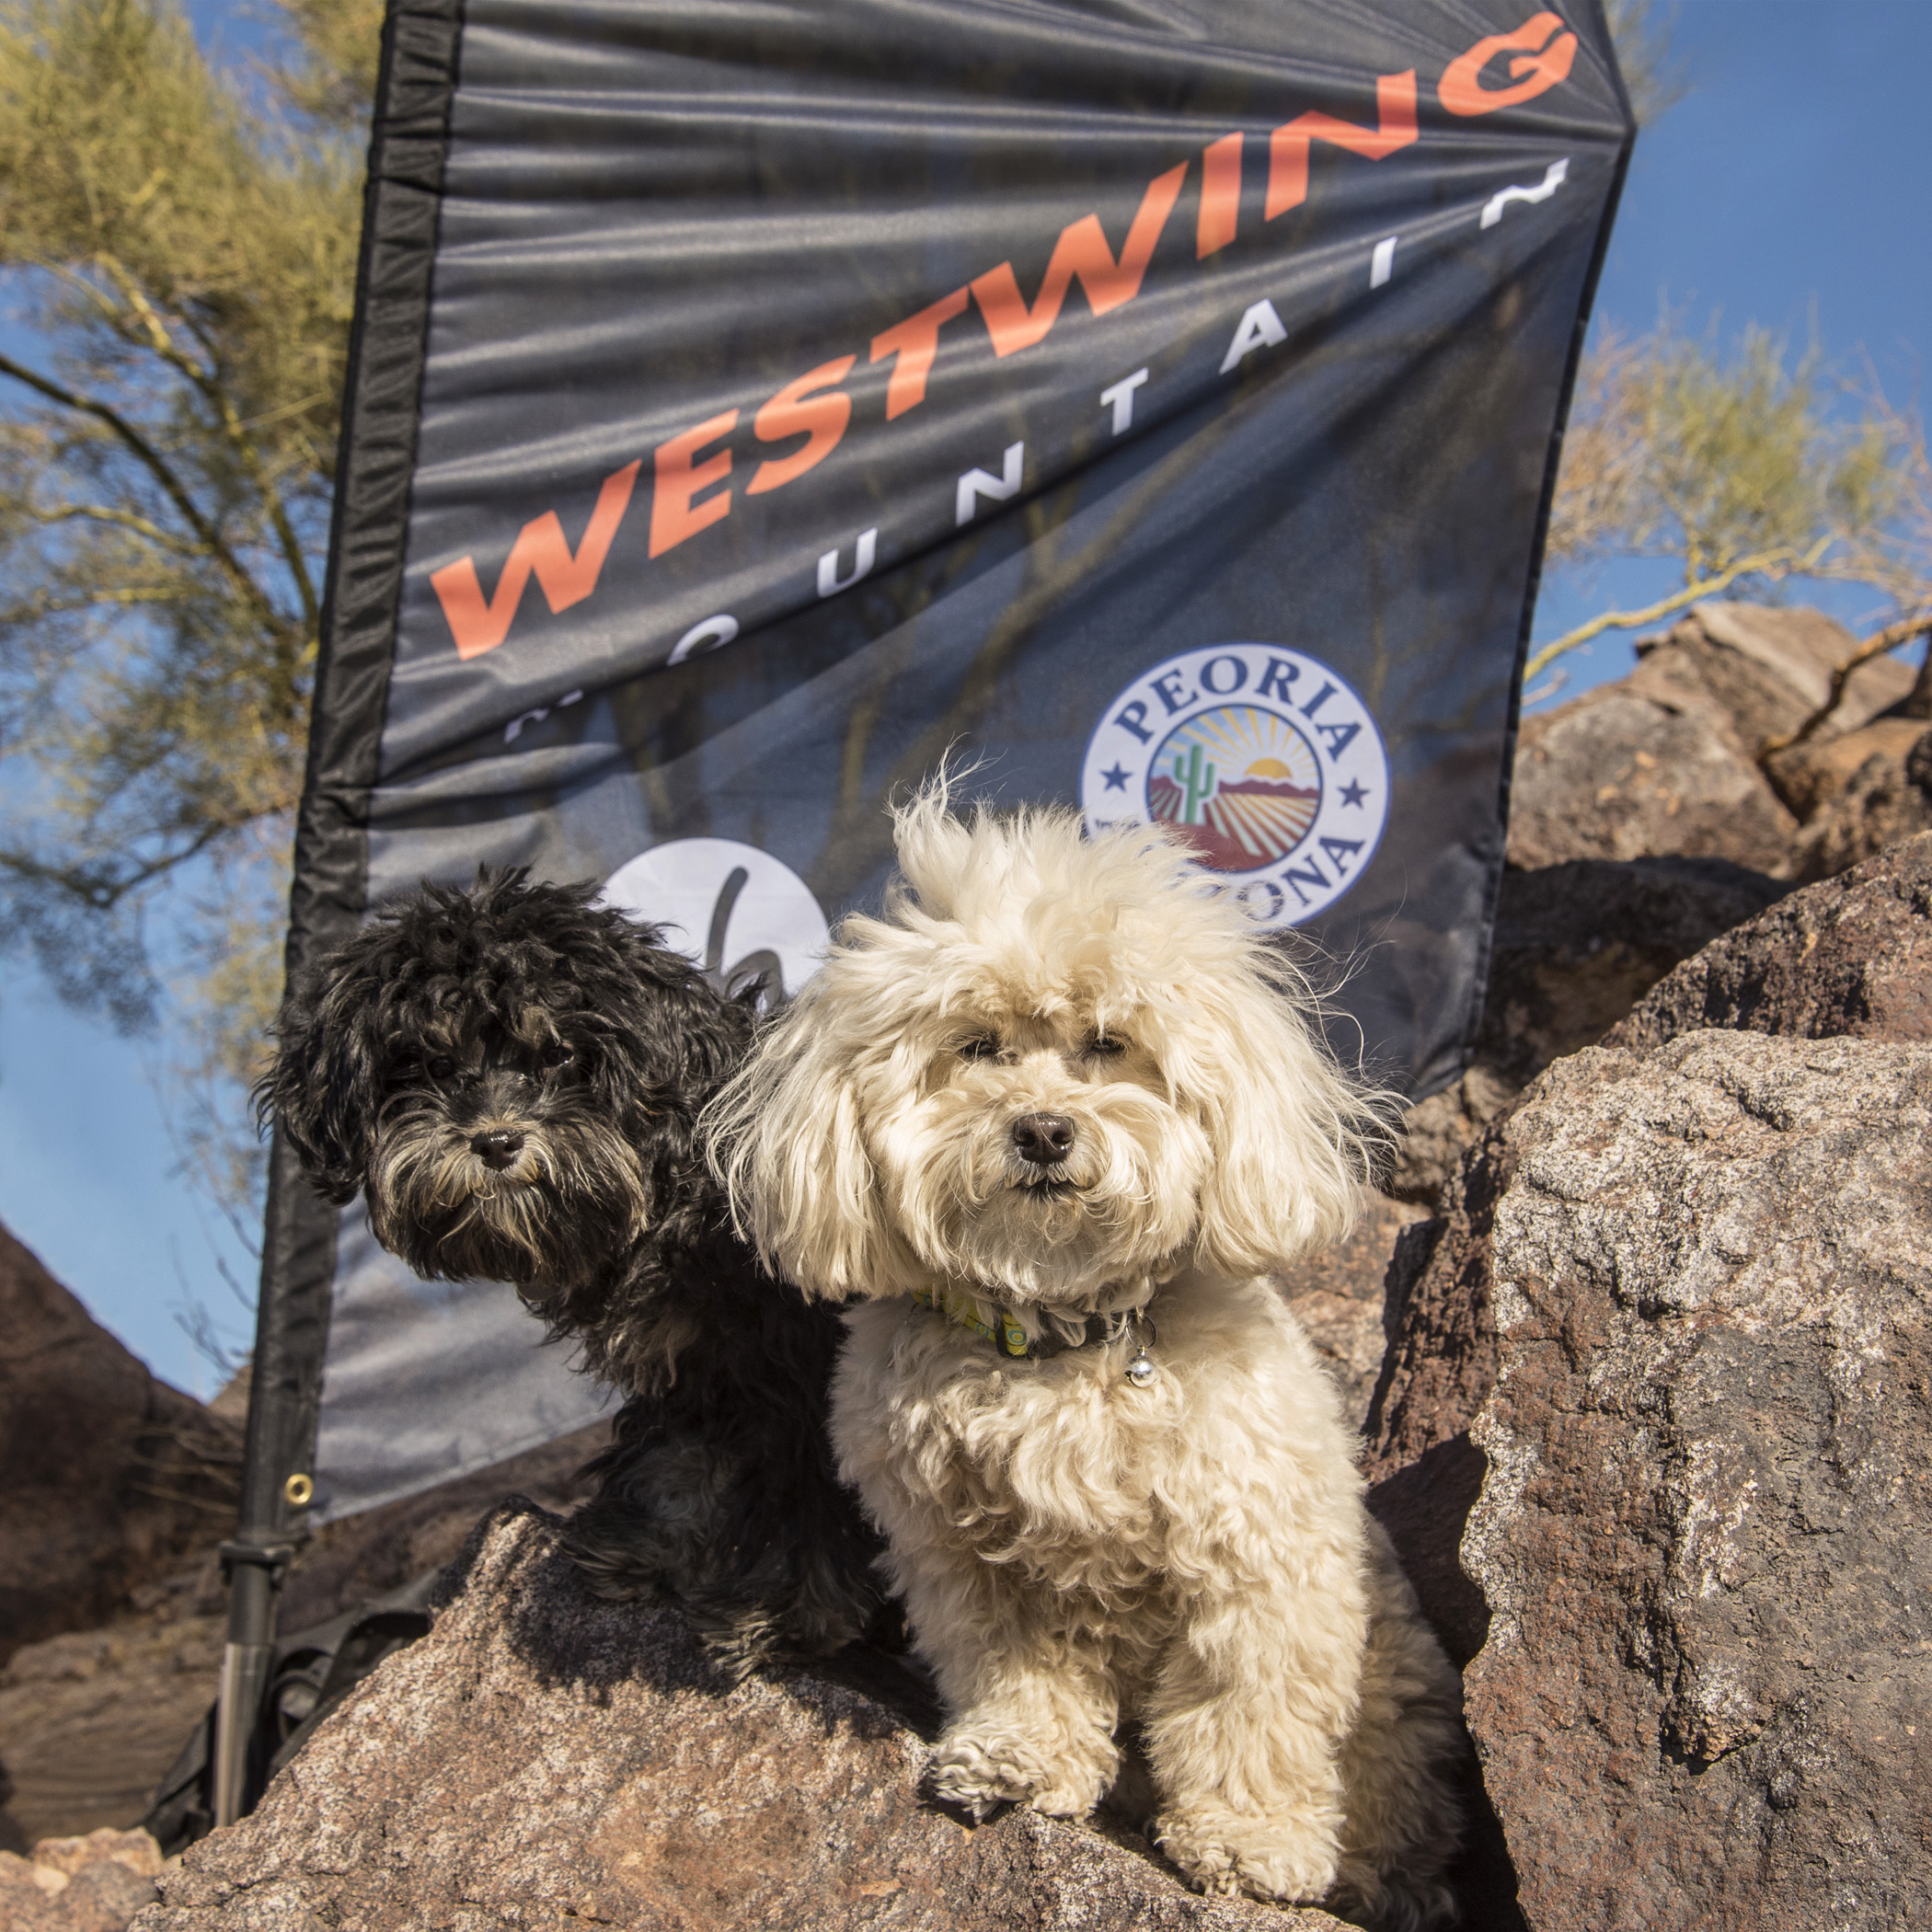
(969, 1312)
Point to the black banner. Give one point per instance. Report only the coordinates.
(1156, 405)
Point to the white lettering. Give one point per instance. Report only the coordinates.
(707, 635)
(1260, 329)
(978, 483)
(1558, 172)
(830, 582)
(1120, 399)
(1382, 264)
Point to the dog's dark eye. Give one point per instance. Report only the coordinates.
(556, 1056)
(982, 1046)
(438, 1066)
(1104, 1046)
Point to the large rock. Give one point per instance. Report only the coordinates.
(1770, 670)
(90, 1721)
(1666, 760)
(1705, 1539)
(1575, 946)
(109, 1478)
(1850, 956)
(1338, 1296)
(543, 1758)
(1877, 789)
(1621, 773)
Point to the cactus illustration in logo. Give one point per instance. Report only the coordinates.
(1196, 780)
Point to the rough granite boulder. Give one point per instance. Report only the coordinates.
(1575, 946)
(95, 1883)
(112, 1479)
(542, 1758)
(1705, 1539)
(1850, 956)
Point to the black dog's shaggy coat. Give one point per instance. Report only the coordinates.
(512, 1076)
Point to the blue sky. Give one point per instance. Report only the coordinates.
(1788, 185)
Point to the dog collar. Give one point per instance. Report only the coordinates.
(1002, 1328)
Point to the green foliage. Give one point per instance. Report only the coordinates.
(180, 243)
(1743, 468)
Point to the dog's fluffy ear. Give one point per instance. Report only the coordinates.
(325, 1085)
(785, 1138)
(1294, 1139)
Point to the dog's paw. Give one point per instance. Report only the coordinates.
(1226, 1855)
(980, 1770)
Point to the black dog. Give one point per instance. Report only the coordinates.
(513, 1075)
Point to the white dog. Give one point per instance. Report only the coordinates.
(1053, 1119)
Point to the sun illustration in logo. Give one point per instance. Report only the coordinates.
(1239, 783)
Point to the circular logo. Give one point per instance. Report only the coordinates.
(1264, 762)
(736, 910)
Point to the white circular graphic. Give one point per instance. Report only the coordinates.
(1262, 759)
(735, 910)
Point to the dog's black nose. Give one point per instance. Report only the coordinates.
(497, 1147)
(1045, 1139)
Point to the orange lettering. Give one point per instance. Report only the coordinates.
(795, 411)
(915, 341)
(1288, 145)
(1462, 91)
(541, 550)
(1220, 196)
(1081, 252)
(673, 516)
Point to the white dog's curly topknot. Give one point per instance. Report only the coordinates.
(1021, 911)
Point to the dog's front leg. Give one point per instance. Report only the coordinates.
(1033, 1704)
(1242, 1731)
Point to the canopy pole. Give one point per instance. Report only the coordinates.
(402, 201)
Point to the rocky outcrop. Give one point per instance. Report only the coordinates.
(90, 1721)
(112, 1479)
(1622, 773)
(1666, 760)
(1770, 670)
(1575, 946)
(1850, 956)
(1338, 1296)
(1884, 796)
(543, 1757)
(95, 1883)
(1703, 1541)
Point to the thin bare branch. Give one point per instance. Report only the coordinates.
(1771, 565)
(158, 466)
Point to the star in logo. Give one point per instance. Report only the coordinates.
(1116, 778)
(1352, 794)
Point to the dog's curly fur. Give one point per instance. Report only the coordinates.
(512, 1076)
(1074, 1549)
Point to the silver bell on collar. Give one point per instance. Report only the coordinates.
(1141, 1371)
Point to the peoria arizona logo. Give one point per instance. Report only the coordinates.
(1262, 758)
